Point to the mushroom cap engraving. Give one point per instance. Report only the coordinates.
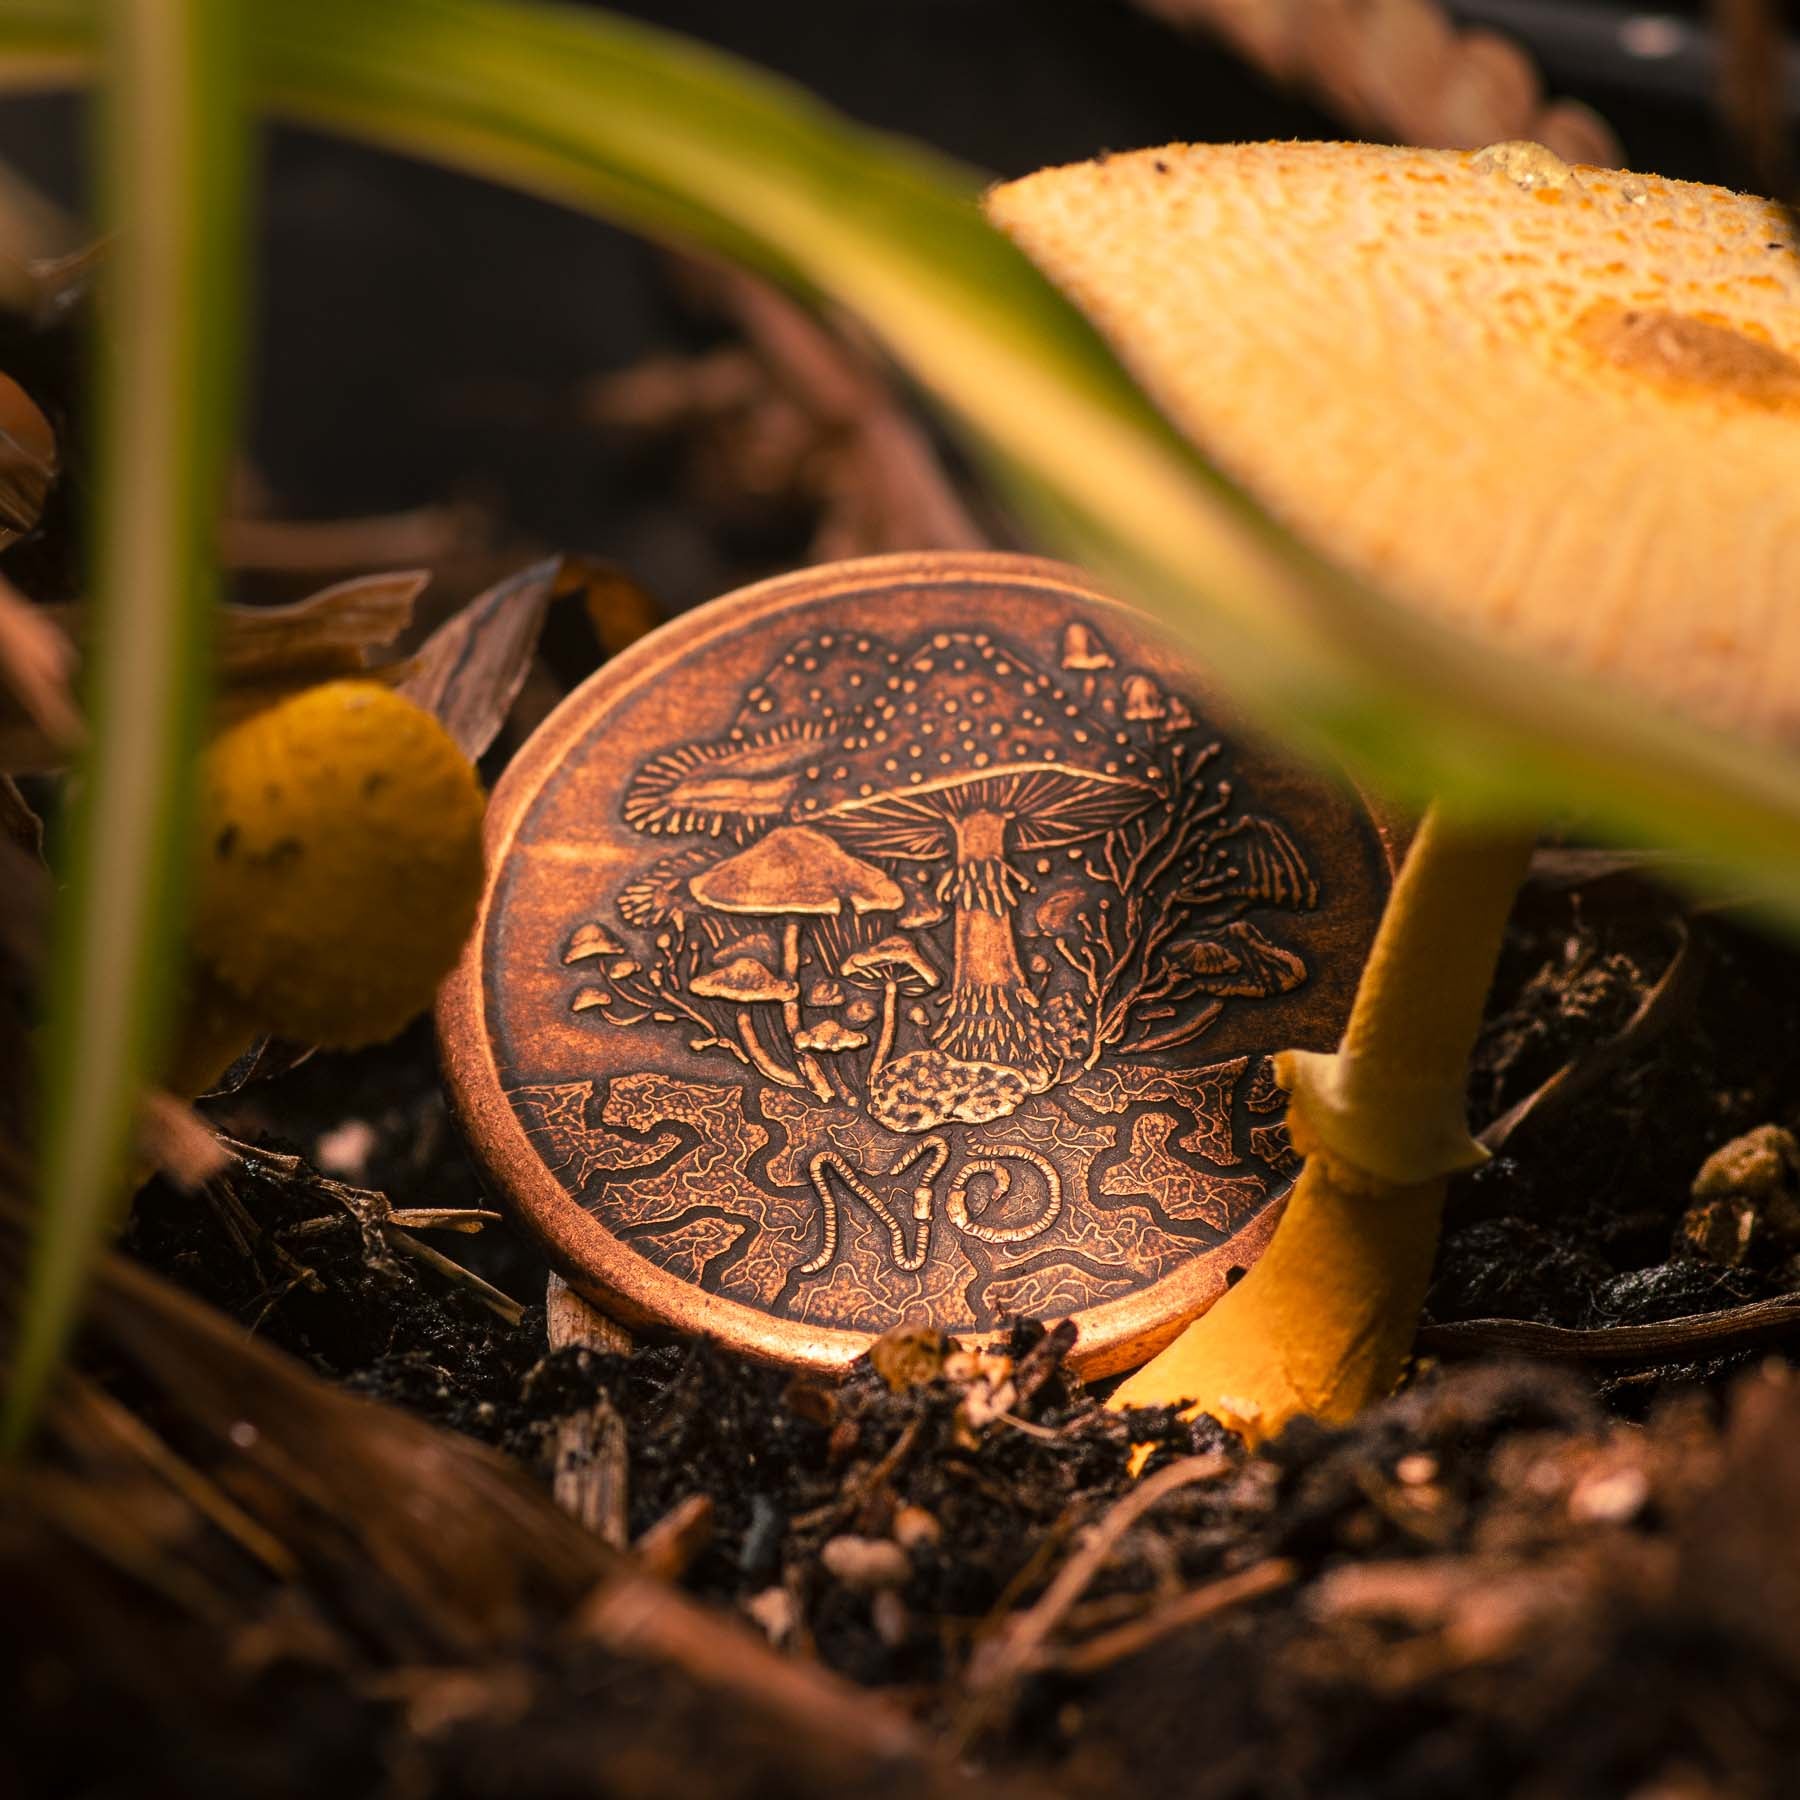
(892, 959)
(829, 1036)
(592, 939)
(1241, 963)
(963, 724)
(1143, 698)
(745, 780)
(758, 944)
(1613, 487)
(796, 870)
(1257, 860)
(745, 981)
(1082, 648)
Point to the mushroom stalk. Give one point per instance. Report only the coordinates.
(760, 1059)
(890, 1007)
(989, 1014)
(1323, 1323)
(790, 1012)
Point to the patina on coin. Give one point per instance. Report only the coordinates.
(903, 941)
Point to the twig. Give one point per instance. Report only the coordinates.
(1693, 1332)
(859, 1493)
(999, 1664)
(1401, 69)
(1654, 1013)
(502, 1305)
(429, 535)
(1207, 1602)
(644, 1620)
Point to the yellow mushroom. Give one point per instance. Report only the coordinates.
(340, 867)
(1558, 406)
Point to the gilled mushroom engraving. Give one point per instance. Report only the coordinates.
(942, 894)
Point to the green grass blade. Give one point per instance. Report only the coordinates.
(172, 163)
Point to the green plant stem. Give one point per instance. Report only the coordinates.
(171, 161)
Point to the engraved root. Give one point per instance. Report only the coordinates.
(931, 1151)
(956, 1203)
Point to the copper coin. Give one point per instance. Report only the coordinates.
(903, 941)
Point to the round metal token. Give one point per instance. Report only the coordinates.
(903, 941)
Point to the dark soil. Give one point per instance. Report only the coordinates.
(1504, 1581)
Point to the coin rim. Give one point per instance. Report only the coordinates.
(1111, 1335)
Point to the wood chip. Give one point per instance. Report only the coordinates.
(590, 1455)
(668, 1549)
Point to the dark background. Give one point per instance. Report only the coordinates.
(421, 336)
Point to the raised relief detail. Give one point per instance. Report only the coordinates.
(945, 922)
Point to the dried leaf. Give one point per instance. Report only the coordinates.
(37, 667)
(178, 1141)
(329, 633)
(469, 671)
(27, 461)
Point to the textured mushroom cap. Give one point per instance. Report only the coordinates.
(743, 979)
(591, 939)
(962, 723)
(341, 835)
(1082, 648)
(796, 870)
(892, 959)
(828, 1035)
(1561, 406)
(1241, 962)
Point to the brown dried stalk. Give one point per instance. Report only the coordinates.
(1400, 69)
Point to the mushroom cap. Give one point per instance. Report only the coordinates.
(341, 862)
(746, 779)
(923, 913)
(1256, 860)
(1241, 963)
(829, 1036)
(1143, 698)
(591, 939)
(1082, 648)
(744, 980)
(963, 723)
(891, 959)
(795, 869)
(1560, 406)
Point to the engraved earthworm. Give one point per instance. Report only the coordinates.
(956, 1203)
(931, 1150)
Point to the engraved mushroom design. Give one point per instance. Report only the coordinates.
(795, 873)
(845, 920)
(967, 754)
